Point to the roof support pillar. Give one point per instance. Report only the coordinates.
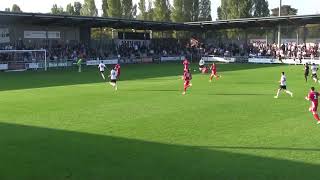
(85, 36)
(304, 34)
(266, 36)
(274, 32)
(100, 41)
(279, 27)
(245, 46)
(298, 35)
(279, 35)
(112, 33)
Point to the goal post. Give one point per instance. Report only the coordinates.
(19, 60)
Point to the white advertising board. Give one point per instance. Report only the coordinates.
(55, 64)
(54, 35)
(41, 34)
(173, 58)
(219, 59)
(35, 34)
(284, 61)
(97, 62)
(3, 66)
(32, 65)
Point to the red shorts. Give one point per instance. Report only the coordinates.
(314, 107)
(204, 70)
(186, 84)
(118, 74)
(214, 73)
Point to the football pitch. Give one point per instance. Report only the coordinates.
(62, 124)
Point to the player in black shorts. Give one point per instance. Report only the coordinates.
(306, 71)
(280, 58)
(314, 69)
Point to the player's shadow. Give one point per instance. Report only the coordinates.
(40, 153)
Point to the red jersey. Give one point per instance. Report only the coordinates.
(187, 76)
(213, 69)
(186, 64)
(117, 66)
(313, 96)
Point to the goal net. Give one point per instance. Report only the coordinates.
(21, 60)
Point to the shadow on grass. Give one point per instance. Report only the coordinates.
(154, 90)
(239, 94)
(262, 148)
(38, 153)
(63, 77)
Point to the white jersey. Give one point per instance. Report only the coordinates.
(113, 74)
(101, 67)
(314, 69)
(201, 62)
(283, 80)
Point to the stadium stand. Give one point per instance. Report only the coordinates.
(67, 38)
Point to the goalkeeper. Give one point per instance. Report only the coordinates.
(79, 64)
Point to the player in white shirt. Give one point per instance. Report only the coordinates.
(314, 70)
(283, 86)
(113, 78)
(101, 68)
(201, 64)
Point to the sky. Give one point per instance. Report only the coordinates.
(44, 6)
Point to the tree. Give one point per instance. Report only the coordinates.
(89, 8)
(195, 12)
(205, 10)
(114, 8)
(70, 9)
(177, 14)
(15, 8)
(234, 9)
(77, 8)
(105, 8)
(162, 10)
(150, 11)
(127, 8)
(260, 8)
(185, 10)
(57, 10)
(143, 10)
(7, 9)
(285, 11)
(134, 10)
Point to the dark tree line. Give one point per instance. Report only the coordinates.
(162, 10)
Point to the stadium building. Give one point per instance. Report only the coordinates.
(56, 33)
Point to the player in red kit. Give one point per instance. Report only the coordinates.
(313, 97)
(213, 72)
(187, 77)
(118, 70)
(186, 64)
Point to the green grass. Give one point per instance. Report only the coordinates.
(60, 125)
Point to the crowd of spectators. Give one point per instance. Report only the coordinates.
(224, 50)
(127, 49)
(286, 50)
(156, 47)
(163, 47)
